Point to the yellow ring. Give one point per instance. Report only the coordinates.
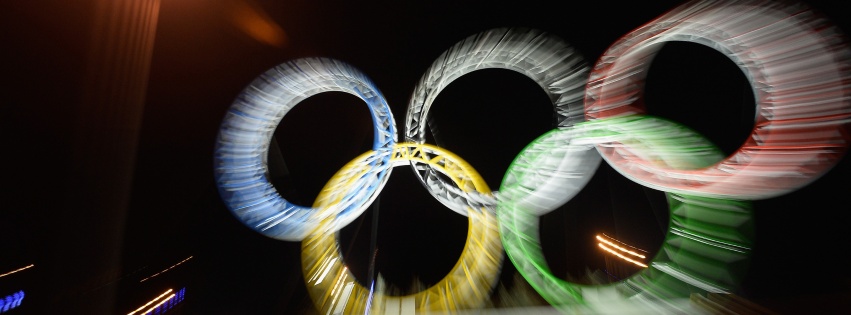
(334, 288)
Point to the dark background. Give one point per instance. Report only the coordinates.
(94, 225)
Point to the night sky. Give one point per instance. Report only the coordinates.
(205, 53)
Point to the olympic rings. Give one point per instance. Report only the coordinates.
(243, 143)
(333, 288)
(793, 59)
(797, 65)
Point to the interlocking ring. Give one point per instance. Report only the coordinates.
(552, 170)
(706, 247)
(348, 193)
(797, 64)
(707, 244)
(246, 131)
(795, 61)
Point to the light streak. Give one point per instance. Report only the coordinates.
(158, 304)
(328, 267)
(621, 256)
(679, 274)
(620, 248)
(163, 305)
(17, 270)
(151, 302)
(167, 269)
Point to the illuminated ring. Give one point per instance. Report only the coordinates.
(544, 58)
(706, 248)
(796, 63)
(240, 163)
(549, 172)
(334, 288)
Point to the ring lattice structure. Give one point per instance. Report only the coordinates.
(553, 64)
(334, 288)
(243, 143)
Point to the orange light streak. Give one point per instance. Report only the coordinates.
(151, 302)
(621, 256)
(158, 304)
(17, 270)
(167, 269)
(620, 248)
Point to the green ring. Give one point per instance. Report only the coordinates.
(706, 248)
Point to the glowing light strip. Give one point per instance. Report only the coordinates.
(328, 267)
(158, 305)
(685, 277)
(698, 238)
(622, 243)
(17, 270)
(150, 302)
(167, 269)
(164, 305)
(620, 248)
(621, 256)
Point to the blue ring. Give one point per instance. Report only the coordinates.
(240, 158)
